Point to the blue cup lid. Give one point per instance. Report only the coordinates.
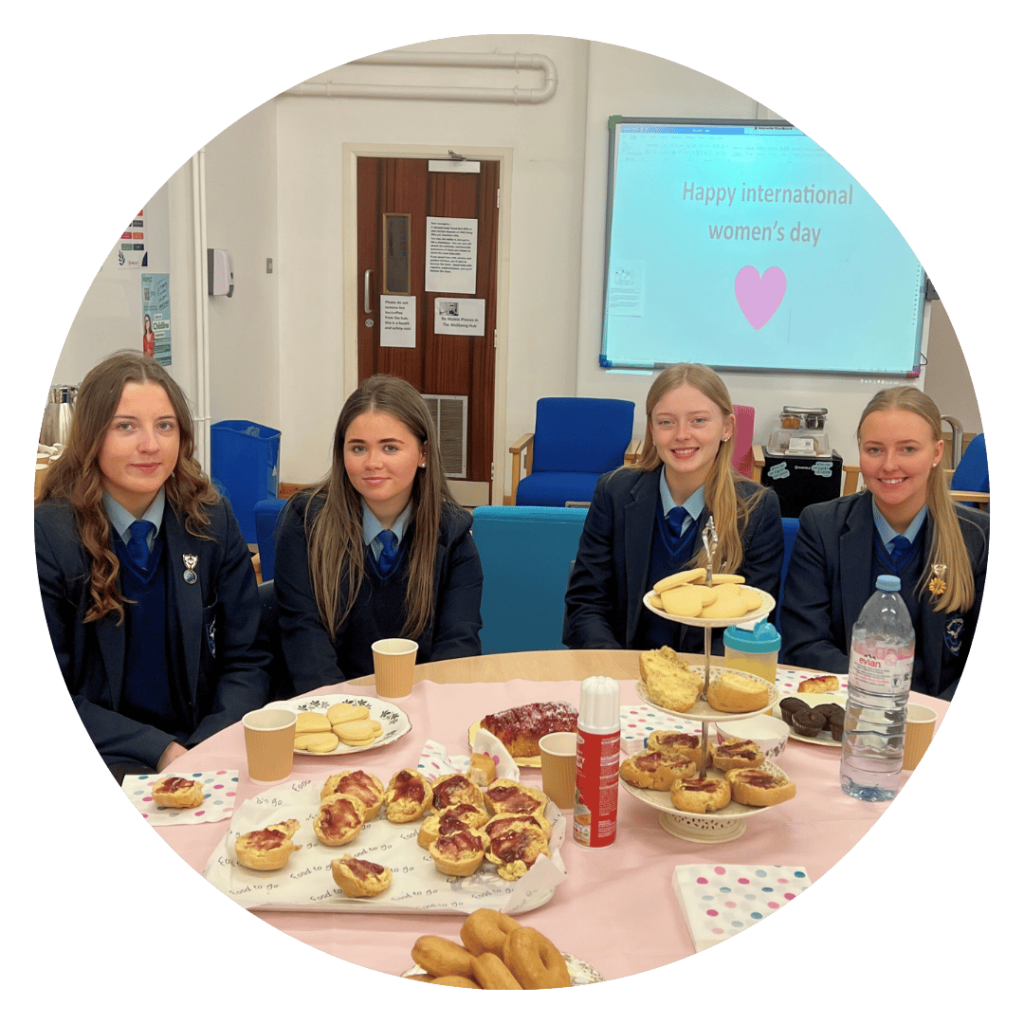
(762, 639)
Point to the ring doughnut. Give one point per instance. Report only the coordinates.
(534, 960)
(485, 931)
(490, 972)
(442, 957)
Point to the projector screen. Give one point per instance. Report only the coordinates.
(744, 245)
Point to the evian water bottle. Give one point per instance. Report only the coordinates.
(881, 668)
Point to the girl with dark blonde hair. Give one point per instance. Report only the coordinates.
(379, 548)
(645, 521)
(147, 582)
(904, 523)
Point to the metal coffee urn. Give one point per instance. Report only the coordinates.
(57, 414)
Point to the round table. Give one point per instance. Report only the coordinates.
(616, 909)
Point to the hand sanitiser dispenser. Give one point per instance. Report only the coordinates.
(220, 273)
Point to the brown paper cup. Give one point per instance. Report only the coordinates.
(269, 743)
(558, 768)
(920, 729)
(393, 664)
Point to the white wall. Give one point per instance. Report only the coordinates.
(545, 208)
(274, 188)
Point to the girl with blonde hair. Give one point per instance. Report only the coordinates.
(379, 548)
(147, 582)
(645, 521)
(904, 523)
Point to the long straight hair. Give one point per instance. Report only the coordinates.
(731, 511)
(947, 544)
(76, 476)
(335, 526)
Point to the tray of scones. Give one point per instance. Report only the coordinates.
(405, 843)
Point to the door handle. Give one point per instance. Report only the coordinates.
(366, 292)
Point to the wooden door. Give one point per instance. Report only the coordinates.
(455, 371)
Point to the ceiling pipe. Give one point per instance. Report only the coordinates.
(412, 58)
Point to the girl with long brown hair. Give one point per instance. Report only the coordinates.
(147, 583)
(904, 523)
(645, 521)
(379, 548)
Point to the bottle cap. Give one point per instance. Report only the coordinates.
(599, 703)
(762, 639)
(890, 584)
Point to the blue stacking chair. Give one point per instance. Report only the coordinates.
(266, 513)
(970, 478)
(526, 553)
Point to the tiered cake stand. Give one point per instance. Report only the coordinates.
(731, 821)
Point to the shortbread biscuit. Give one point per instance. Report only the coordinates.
(338, 713)
(311, 721)
(685, 602)
(316, 742)
(679, 579)
(727, 605)
(360, 733)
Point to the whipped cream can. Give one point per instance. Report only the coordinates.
(596, 804)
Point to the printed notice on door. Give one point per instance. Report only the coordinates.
(398, 321)
(451, 255)
(459, 316)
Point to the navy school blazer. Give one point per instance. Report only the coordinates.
(312, 659)
(604, 600)
(212, 625)
(829, 580)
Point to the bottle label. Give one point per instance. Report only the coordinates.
(597, 789)
(882, 666)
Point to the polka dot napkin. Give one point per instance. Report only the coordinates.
(218, 797)
(720, 900)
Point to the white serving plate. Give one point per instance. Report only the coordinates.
(393, 719)
(767, 604)
(824, 738)
(704, 712)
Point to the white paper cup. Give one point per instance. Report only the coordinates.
(920, 729)
(558, 768)
(269, 743)
(393, 665)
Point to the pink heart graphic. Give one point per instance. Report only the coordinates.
(760, 295)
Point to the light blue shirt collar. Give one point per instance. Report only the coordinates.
(888, 534)
(372, 526)
(694, 504)
(121, 519)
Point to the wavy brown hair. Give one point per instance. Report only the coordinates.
(335, 527)
(947, 544)
(75, 476)
(731, 511)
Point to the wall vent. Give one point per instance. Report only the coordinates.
(450, 416)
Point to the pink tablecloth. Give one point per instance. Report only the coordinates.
(616, 910)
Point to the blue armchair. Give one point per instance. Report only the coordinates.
(574, 442)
